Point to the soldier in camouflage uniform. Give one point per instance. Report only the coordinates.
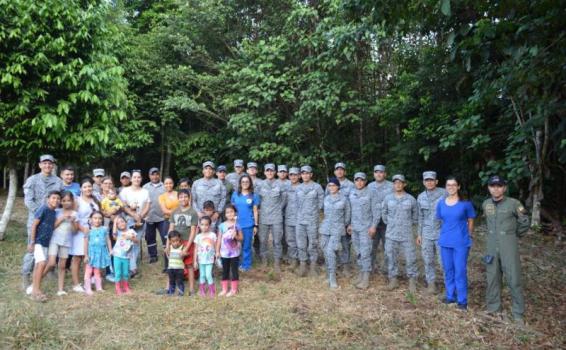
(291, 207)
(336, 218)
(506, 220)
(345, 187)
(283, 180)
(36, 189)
(365, 216)
(399, 212)
(429, 227)
(382, 188)
(221, 175)
(234, 178)
(310, 200)
(273, 198)
(208, 188)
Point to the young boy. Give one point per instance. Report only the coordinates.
(185, 220)
(41, 232)
(176, 264)
(111, 204)
(209, 210)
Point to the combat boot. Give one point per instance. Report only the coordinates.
(393, 284)
(346, 270)
(364, 281)
(413, 285)
(332, 280)
(313, 272)
(302, 269)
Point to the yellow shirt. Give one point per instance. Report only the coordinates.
(169, 202)
(108, 205)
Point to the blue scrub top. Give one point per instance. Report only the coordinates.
(454, 228)
(244, 204)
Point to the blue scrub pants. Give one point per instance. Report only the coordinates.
(246, 260)
(454, 262)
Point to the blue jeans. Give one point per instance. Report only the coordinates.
(247, 254)
(454, 262)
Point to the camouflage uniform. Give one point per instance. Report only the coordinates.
(429, 230)
(337, 214)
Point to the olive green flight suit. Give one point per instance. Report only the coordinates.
(506, 221)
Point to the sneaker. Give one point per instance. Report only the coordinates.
(110, 278)
(61, 293)
(78, 288)
(153, 260)
(29, 289)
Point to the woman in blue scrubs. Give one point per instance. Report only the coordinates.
(246, 203)
(457, 217)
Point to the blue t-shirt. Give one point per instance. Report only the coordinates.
(44, 231)
(74, 188)
(244, 204)
(454, 228)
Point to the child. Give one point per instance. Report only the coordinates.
(111, 204)
(176, 265)
(229, 245)
(209, 210)
(97, 249)
(65, 225)
(184, 220)
(205, 252)
(121, 253)
(41, 232)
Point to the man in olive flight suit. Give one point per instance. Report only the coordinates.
(506, 220)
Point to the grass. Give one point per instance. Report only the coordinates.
(292, 313)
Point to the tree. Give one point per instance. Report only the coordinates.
(62, 89)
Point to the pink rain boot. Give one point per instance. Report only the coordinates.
(224, 288)
(118, 289)
(126, 287)
(234, 289)
(212, 290)
(202, 291)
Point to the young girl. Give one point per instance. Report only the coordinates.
(205, 252)
(229, 245)
(122, 253)
(97, 248)
(65, 225)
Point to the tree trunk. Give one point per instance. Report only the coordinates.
(5, 178)
(26, 171)
(167, 168)
(162, 161)
(10, 200)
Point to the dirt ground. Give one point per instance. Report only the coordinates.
(293, 313)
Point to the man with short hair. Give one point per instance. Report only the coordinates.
(97, 176)
(273, 198)
(234, 178)
(68, 175)
(252, 172)
(155, 219)
(310, 200)
(221, 175)
(507, 221)
(125, 180)
(400, 213)
(36, 189)
(291, 207)
(429, 227)
(382, 187)
(208, 188)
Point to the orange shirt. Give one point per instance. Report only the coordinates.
(169, 201)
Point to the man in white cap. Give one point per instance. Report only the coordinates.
(208, 188)
(382, 187)
(97, 175)
(400, 213)
(36, 189)
(155, 220)
(273, 198)
(429, 227)
(125, 180)
(234, 178)
(291, 208)
(310, 199)
(346, 186)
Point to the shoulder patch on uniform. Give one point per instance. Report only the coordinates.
(521, 209)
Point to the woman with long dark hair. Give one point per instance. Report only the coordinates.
(457, 225)
(246, 203)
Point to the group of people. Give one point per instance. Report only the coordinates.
(223, 217)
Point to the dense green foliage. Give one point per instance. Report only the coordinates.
(468, 88)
